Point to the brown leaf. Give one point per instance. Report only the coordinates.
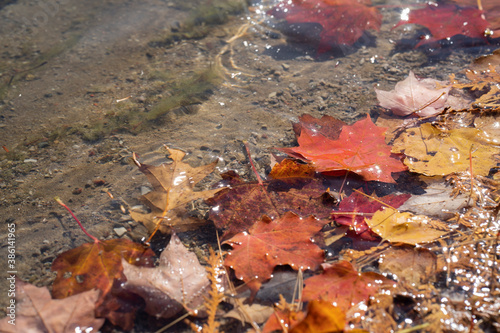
(173, 185)
(294, 188)
(179, 281)
(37, 312)
(410, 264)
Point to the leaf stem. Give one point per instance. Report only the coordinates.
(59, 201)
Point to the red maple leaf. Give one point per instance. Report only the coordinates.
(343, 21)
(268, 243)
(342, 285)
(357, 204)
(360, 149)
(291, 187)
(445, 21)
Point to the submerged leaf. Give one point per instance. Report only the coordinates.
(414, 96)
(445, 21)
(268, 243)
(432, 152)
(360, 149)
(178, 281)
(342, 285)
(173, 185)
(37, 312)
(398, 227)
(322, 317)
(343, 21)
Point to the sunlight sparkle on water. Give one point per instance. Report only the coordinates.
(405, 14)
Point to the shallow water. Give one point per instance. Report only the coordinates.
(67, 65)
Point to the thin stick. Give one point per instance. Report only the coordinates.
(59, 201)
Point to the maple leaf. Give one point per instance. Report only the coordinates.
(98, 265)
(432, 152)
(37, 312)
(445, 21)
(322, 317)
(173, 185)
(491, 10)
(292, 187)
(343, 21)
(268, 243)
(357, 204)
(177, 282)
(342, 285)
(414, 96)
(404, 227)
(360, 149)
(410, 264)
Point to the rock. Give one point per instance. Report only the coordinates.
(120, 231)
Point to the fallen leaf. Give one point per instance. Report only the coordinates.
(37, 312)
(438, 201)
(178, 282)
(96, 265)
(432, 152)
(357, 206)
(343, 21)
(292, 187)
(254, 313)
(342, 285)
(360, 149)
(173, 185)
(491, 10)
(412, 95)
(412, 265)
(322, 317)
(404, 227)
(268, 243)
(446, 20)
(282, 319)
(327, 125)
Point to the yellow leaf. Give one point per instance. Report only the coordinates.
(408, 228)
(433, 152)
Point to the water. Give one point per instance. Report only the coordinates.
(86, 83)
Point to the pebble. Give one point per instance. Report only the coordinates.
(30, 160)
(285, 66)
(120, 231)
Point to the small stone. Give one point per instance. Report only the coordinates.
(30, 160)
(272, 95)
(77, 191)
(285, 66)
(120, 231)
(145, 190)
(43, 144)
